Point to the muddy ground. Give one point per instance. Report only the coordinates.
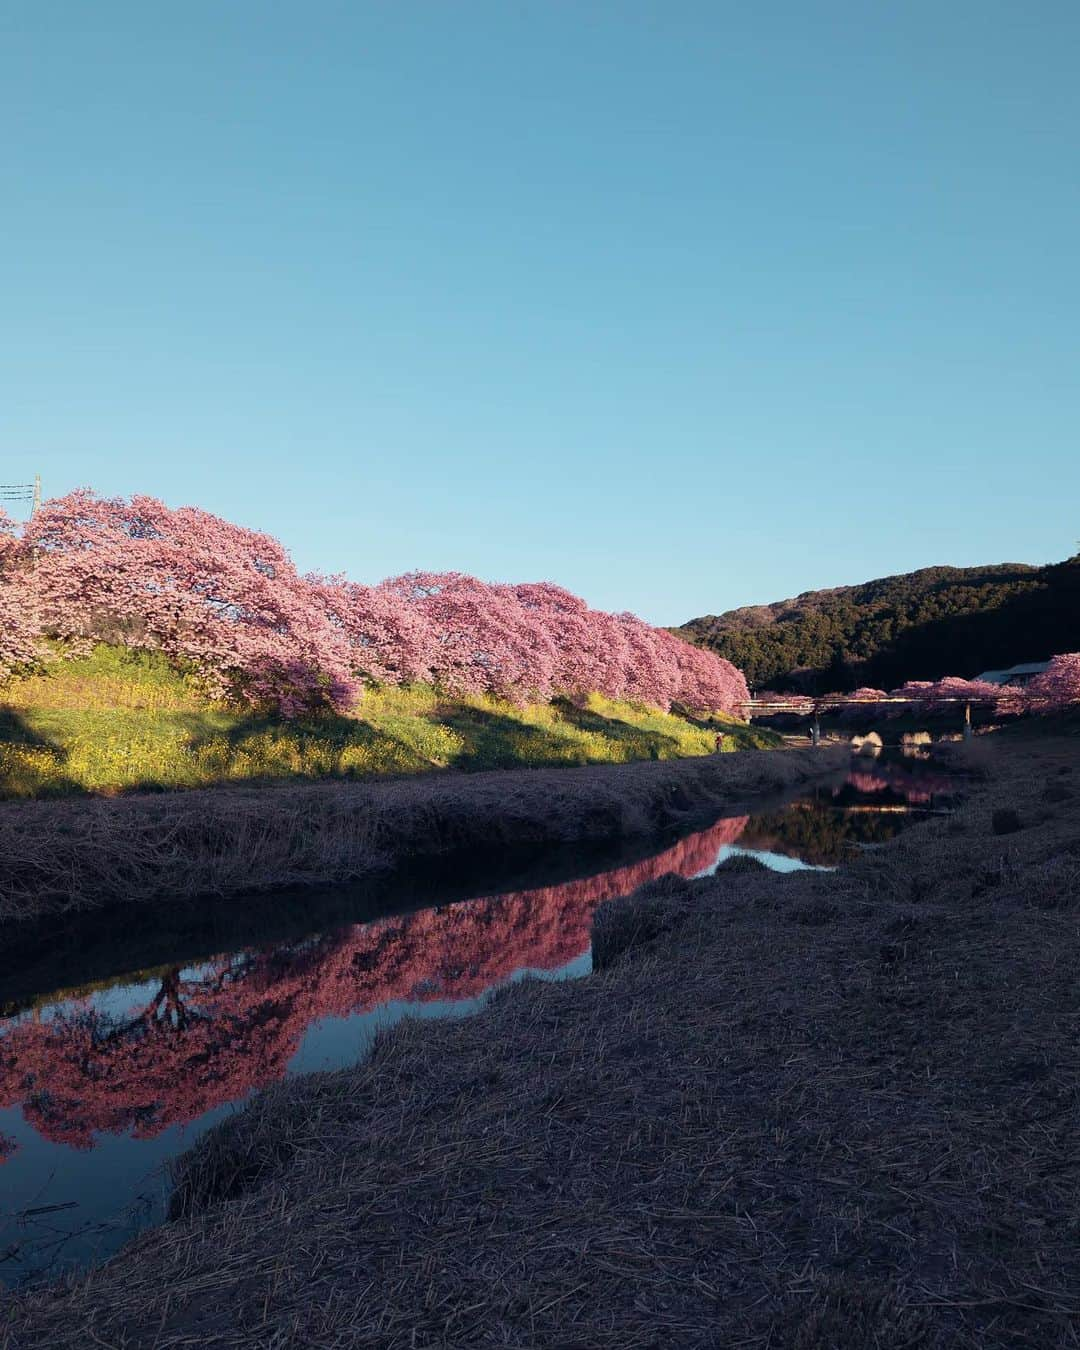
(804, 1111)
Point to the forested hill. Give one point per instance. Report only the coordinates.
(916, 626)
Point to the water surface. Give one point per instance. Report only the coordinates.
(108, 1071)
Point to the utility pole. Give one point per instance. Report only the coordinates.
(36, 507)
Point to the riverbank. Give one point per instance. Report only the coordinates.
(125, 721)
(61, 857)
(794, 1111)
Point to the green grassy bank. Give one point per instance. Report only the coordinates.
(121, 720)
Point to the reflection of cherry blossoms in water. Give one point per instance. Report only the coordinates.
(917, 789)
(233, 1024)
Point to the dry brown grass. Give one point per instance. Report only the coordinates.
(57, 857)
(802, 1112)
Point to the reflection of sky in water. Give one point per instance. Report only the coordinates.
(120, 1184)
(116, 1002)
(335, 1041)
(775, 862)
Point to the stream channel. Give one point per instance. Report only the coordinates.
(125, 1036)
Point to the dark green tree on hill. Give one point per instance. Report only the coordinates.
(915, 626)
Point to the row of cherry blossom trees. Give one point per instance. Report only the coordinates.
(1055, 689)
(228, 603)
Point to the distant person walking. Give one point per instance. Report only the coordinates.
(719, 742)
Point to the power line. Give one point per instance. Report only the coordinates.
(23, 492)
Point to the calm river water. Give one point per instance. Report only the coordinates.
(107, 1072)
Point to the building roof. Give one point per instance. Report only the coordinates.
(1006, 676)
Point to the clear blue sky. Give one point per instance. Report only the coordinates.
(683, 305)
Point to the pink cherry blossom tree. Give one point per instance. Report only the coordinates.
(1058, 687)
(652, 672)
(223, 599)
(389, 640)
(707, 683)
(587, 650)
(936, 696)
(483, 639)
(19, 645)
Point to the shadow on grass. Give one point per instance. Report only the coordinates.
(495, 741)
(660, 745)
(175, 751)
(741, 735)
(31, 765)
(328, 727)
(310, 749)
